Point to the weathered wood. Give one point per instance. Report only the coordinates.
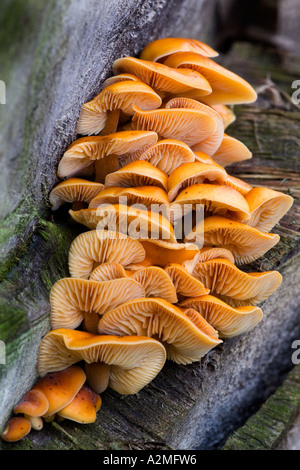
(195, 406)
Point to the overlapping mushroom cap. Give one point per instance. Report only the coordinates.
(161, 253)
(193, 173)
(246, 243)
(183, 340)
(83, 408)
(115, 98)
(191, 126)
(227, 87)
(137, 223)
(159, 50)
(161, 78)
(185, 283)
(137, 173)
(98, 246)
(236, 287)
(81, 156)
(74, 301)
(154, 279)
(211, 144)
(216, 199)
(228, 321)
(147, 197)
(231, 151)
(267, 207)
(131, 362)
(168, 154)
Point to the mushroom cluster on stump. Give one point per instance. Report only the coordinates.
(151, 148)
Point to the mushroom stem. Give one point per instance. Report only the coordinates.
(36, 422)
(90, 322)
(111, 122)
(97, 374)
(77, 205)
(106, 165)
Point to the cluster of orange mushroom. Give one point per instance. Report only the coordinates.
(153, 137)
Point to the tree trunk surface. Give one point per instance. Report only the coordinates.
(54, 59)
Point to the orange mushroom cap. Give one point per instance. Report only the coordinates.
(74, 189)
(83, 408)
(16, 428)
(227, 320)
(118, 96)
(211, 144)
(102, 246)
(227, 87)
(217, 199)
(231, 151)
(81, 155)
(193, 173)
(191, 126)
(162, 78)
(33, 403)
(267, 207)
(60, 387)
(183, 340)
(137, 173)
(133, 361)
(159, 50)
(246, 243)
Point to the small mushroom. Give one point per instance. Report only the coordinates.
(267, 207)
(239, 185)
(159, 50)
(60, 387)
(206, 253)
(33, 405)
(245, 243)
(211, 144)
(164, 80)
(94, 247)
(137, 173)
(191, 126)
(216, 199)
(119, 78)
(193, 173)
(227, 87)
(100, 155)
(16, 428)
(74, 301)
(125, 364)
(83, 408)
(74, 190)
(135, 222)
(202, 157)
(157, 318)
(233, 286)
(103, 112)
(231, 151)
(228, 321)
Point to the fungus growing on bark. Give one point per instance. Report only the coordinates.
(183, 340)
(99, 155)
(125, 364)
(74, 301)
